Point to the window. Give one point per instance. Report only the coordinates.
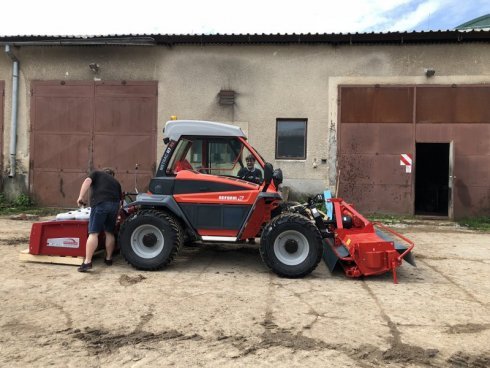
(178, 161)
(291, 139)
(215, 155)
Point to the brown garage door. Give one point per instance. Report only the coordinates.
(460, 115)
(445, 128)
(375, 128)
(79, 126)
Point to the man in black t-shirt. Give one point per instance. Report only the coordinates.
(104, 201)
(250, 172)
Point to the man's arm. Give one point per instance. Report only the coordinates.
(82, 197)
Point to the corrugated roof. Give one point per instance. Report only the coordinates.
(447, 36)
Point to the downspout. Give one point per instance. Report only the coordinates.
(15, 99)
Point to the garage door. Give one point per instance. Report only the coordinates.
(446, 129)
(79, 126)
(376, 125)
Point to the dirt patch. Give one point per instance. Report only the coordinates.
(467, 328)
(14, 240)
(463, 360)
(104, 342)
(404, 353)
(24, 217)
(126, 280)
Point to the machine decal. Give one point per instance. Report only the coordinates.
(231, 198)
(165, 157)
(63, 242)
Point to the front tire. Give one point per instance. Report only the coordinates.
(291, 245)
(150, 240)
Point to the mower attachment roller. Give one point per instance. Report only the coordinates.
(360, 247)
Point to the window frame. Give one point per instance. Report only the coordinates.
(278, 120)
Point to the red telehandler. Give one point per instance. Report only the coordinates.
(198, 195)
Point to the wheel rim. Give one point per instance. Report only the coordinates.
(147, 241)
(291, 247)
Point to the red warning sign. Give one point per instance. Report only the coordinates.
(406, 160)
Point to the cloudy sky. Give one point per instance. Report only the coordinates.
(104, 17)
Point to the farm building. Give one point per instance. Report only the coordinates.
(399, 122)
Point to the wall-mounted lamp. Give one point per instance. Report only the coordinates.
(429, 72)
(94, 67)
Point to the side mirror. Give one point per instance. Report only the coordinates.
(268, 173)
(277, 177)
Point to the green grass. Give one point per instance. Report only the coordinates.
(388, 219)
(24, 205)
(476, 223)
(37, 211)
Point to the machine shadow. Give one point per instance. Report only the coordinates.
(219, 257)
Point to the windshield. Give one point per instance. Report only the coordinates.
(217, 156)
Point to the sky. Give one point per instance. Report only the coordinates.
(110, 17)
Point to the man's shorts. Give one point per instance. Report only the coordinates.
(103, 217)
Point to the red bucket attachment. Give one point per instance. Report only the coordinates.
(59, 238)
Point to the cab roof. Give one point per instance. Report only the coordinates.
(174, 129)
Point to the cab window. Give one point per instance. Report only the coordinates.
(179, 160)
(216, 156)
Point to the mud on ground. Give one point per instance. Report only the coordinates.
(218, 306)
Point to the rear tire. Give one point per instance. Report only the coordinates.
(150, 240)
(291, 245)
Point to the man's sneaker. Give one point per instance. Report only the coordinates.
(84, 267)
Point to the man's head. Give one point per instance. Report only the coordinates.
(250, 162)
(109, 171)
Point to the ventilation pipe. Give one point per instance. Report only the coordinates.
(15, 100)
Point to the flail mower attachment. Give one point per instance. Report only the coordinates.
(360, 247)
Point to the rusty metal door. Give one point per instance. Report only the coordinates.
(125, 131)
(450, 183)
(79, 126)
(376, 127)
(460, 114)
(61, 136)
(379, 123)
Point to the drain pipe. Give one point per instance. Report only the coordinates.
(15, 99)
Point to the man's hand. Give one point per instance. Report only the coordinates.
(83, 192)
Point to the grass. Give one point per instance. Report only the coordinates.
(24, 205)
(388, 219)
(476, 223)
(481, 223)
(37, 211)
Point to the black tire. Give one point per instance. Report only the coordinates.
(150, 240)
(291, 245)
